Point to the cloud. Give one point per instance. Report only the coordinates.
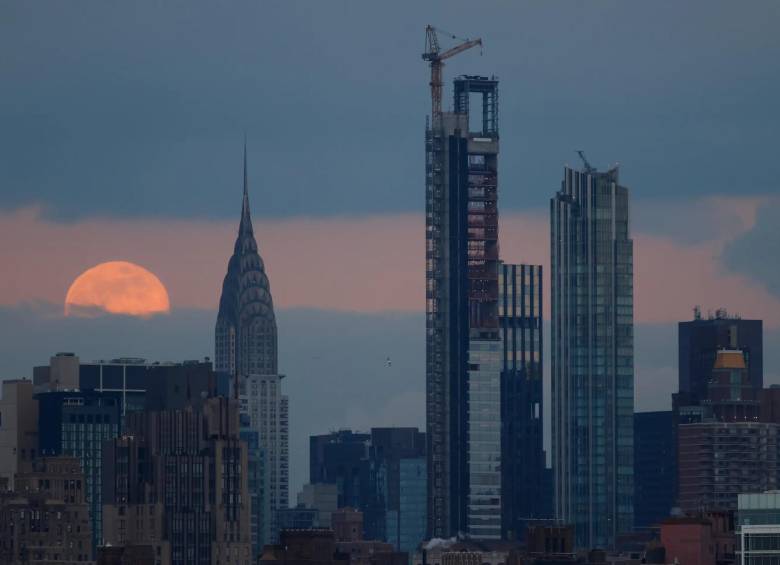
(360, 264)
(755, 252)
(138, 109)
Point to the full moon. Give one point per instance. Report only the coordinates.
(117, 287)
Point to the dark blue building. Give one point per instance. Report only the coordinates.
(341, 458)
(655, 469)
(76, 423)
(383, 474)
(699, 341)
(522, 447)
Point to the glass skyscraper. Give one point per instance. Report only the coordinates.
(463, 346)
(592, 356)
(522, 441)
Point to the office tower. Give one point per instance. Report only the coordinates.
(388, 447)
(592, 356)
(379, 474)
(412, 515)
(246, 349)
(463, 346)
(76, 423)
(719, 460)
(46, 520)
(178, 479)
(522, 441)
(341, 458)
(655, 471)
(18, 430)
(257, 481)
(699, 341)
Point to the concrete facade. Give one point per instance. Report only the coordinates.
(18, 430)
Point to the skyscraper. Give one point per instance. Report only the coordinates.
(246, 325)
(246, 349)
(178, 480)
(522, 416)
(655, 468)
(463, 345)
(699, 341)
(592, 356)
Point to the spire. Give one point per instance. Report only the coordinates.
(246, 220)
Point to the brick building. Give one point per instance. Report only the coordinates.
(46, 519)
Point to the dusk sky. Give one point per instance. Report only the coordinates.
(121, 132)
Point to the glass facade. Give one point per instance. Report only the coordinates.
(461, 311)
(522, 448)
(412, 507)
(592, 356)
(76, 424)
(655, 467)
(258, 487)
(484, 439)
(758, 528)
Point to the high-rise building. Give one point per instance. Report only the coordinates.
(699, 341)
(260, 512)
(592, 356)
(655, 470)
(412, 514)
(463, 344)
(246, 349)
(382, 474)
(522, 441)
(76, 423)
(140, 384)
(388, 448)
(18, 430)
(719, 460)
(341, 458)
(46, 519)
(178, 480)
(245, 336)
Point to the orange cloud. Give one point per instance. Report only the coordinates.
(368, 264)
(117, 287)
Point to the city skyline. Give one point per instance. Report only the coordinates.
(388, 306)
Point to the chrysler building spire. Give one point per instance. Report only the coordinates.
(245, 340)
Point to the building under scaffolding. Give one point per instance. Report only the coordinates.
(463, 342)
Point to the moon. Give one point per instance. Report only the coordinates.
(117, 287)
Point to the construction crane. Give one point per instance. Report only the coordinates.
(588, 167)
(436, 57)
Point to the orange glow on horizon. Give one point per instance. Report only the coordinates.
(117, 287)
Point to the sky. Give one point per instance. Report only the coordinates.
(121, 133)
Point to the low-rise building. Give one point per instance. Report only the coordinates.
(304, 547)
(758, 528)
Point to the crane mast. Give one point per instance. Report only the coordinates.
(436, 58)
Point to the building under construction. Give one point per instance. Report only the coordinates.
(463, 349)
